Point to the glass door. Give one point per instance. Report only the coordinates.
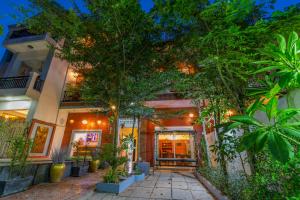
(175, 148)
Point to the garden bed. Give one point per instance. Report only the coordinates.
(212, 189)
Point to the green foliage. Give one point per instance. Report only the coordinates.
(59, 156)
(108, 155)
(19, 150)
(111, 176)
(274, 180)
(283, 62)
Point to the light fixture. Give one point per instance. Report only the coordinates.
(71, 121)
(6, 116)
(191, 115)
(113, 107)
(84, 122)
(229, 113)
(99, 122)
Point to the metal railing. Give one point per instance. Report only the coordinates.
(14, 82)
(71, 97)
(38, 84)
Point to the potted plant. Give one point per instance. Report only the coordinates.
(80, 166)
(139, 175)
(58, 166)
(95, 162)
(116, 179)
(17, 180)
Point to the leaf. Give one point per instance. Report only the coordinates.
(271, 108)
(245, 119)
(282, 43)
(266, 69)
(275, 90)
(279, 147)
(260, 141)
(284, 115)
(253, 107)
(293, 37)
(291, 131)
(285, 78)
(247, 141)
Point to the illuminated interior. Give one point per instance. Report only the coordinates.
(175, 145)
(19, 115)
(125, 132)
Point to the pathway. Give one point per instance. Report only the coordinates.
(162, 185)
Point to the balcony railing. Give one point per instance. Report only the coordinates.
(14, 82)
(38, 84)
(71, 97)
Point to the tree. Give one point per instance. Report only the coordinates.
(115, 46)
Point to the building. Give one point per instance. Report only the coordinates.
(33, 88)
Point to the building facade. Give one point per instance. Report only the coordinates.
(33, 89)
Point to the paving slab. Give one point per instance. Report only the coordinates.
(181, 194)
(179, 185)
(142, 192)
(162, 193)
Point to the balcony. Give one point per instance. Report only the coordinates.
(20, 87)
(21, 40)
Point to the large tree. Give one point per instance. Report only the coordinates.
(114, 45)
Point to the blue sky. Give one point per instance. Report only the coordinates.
(9, 7)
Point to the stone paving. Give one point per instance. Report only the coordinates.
(71, 188)
(161, 185)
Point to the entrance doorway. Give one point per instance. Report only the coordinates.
(175, 148)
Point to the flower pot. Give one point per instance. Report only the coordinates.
(15, 185)
(139, 177)
(94, 164)
(79, 170)
(57, 172)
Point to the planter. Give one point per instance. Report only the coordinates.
(144, 166)
(79, 171)
(57, 172)
(94, 164)
(15, 185)
(115, 187)
(139, 177)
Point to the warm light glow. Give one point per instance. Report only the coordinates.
(113, 107)
(6, 116)
(99, 122)
(84, 122)
(229, 113)
(191, 115)
(92, 124)
(71, 121)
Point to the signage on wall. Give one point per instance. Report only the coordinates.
(92, 137)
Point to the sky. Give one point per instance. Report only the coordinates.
(8, 8)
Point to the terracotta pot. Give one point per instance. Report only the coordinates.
(57, 172)
(94, 164)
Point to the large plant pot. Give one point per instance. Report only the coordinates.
(144, 166)
(79, 170)
(57, 172)
(139, 177)
(15, 185)
(94, 164)
(115, 187)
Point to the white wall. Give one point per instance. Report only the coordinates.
(49, 101)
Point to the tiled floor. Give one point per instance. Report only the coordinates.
(161, 185)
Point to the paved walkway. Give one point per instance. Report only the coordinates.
(71, 188)
(161, 185)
